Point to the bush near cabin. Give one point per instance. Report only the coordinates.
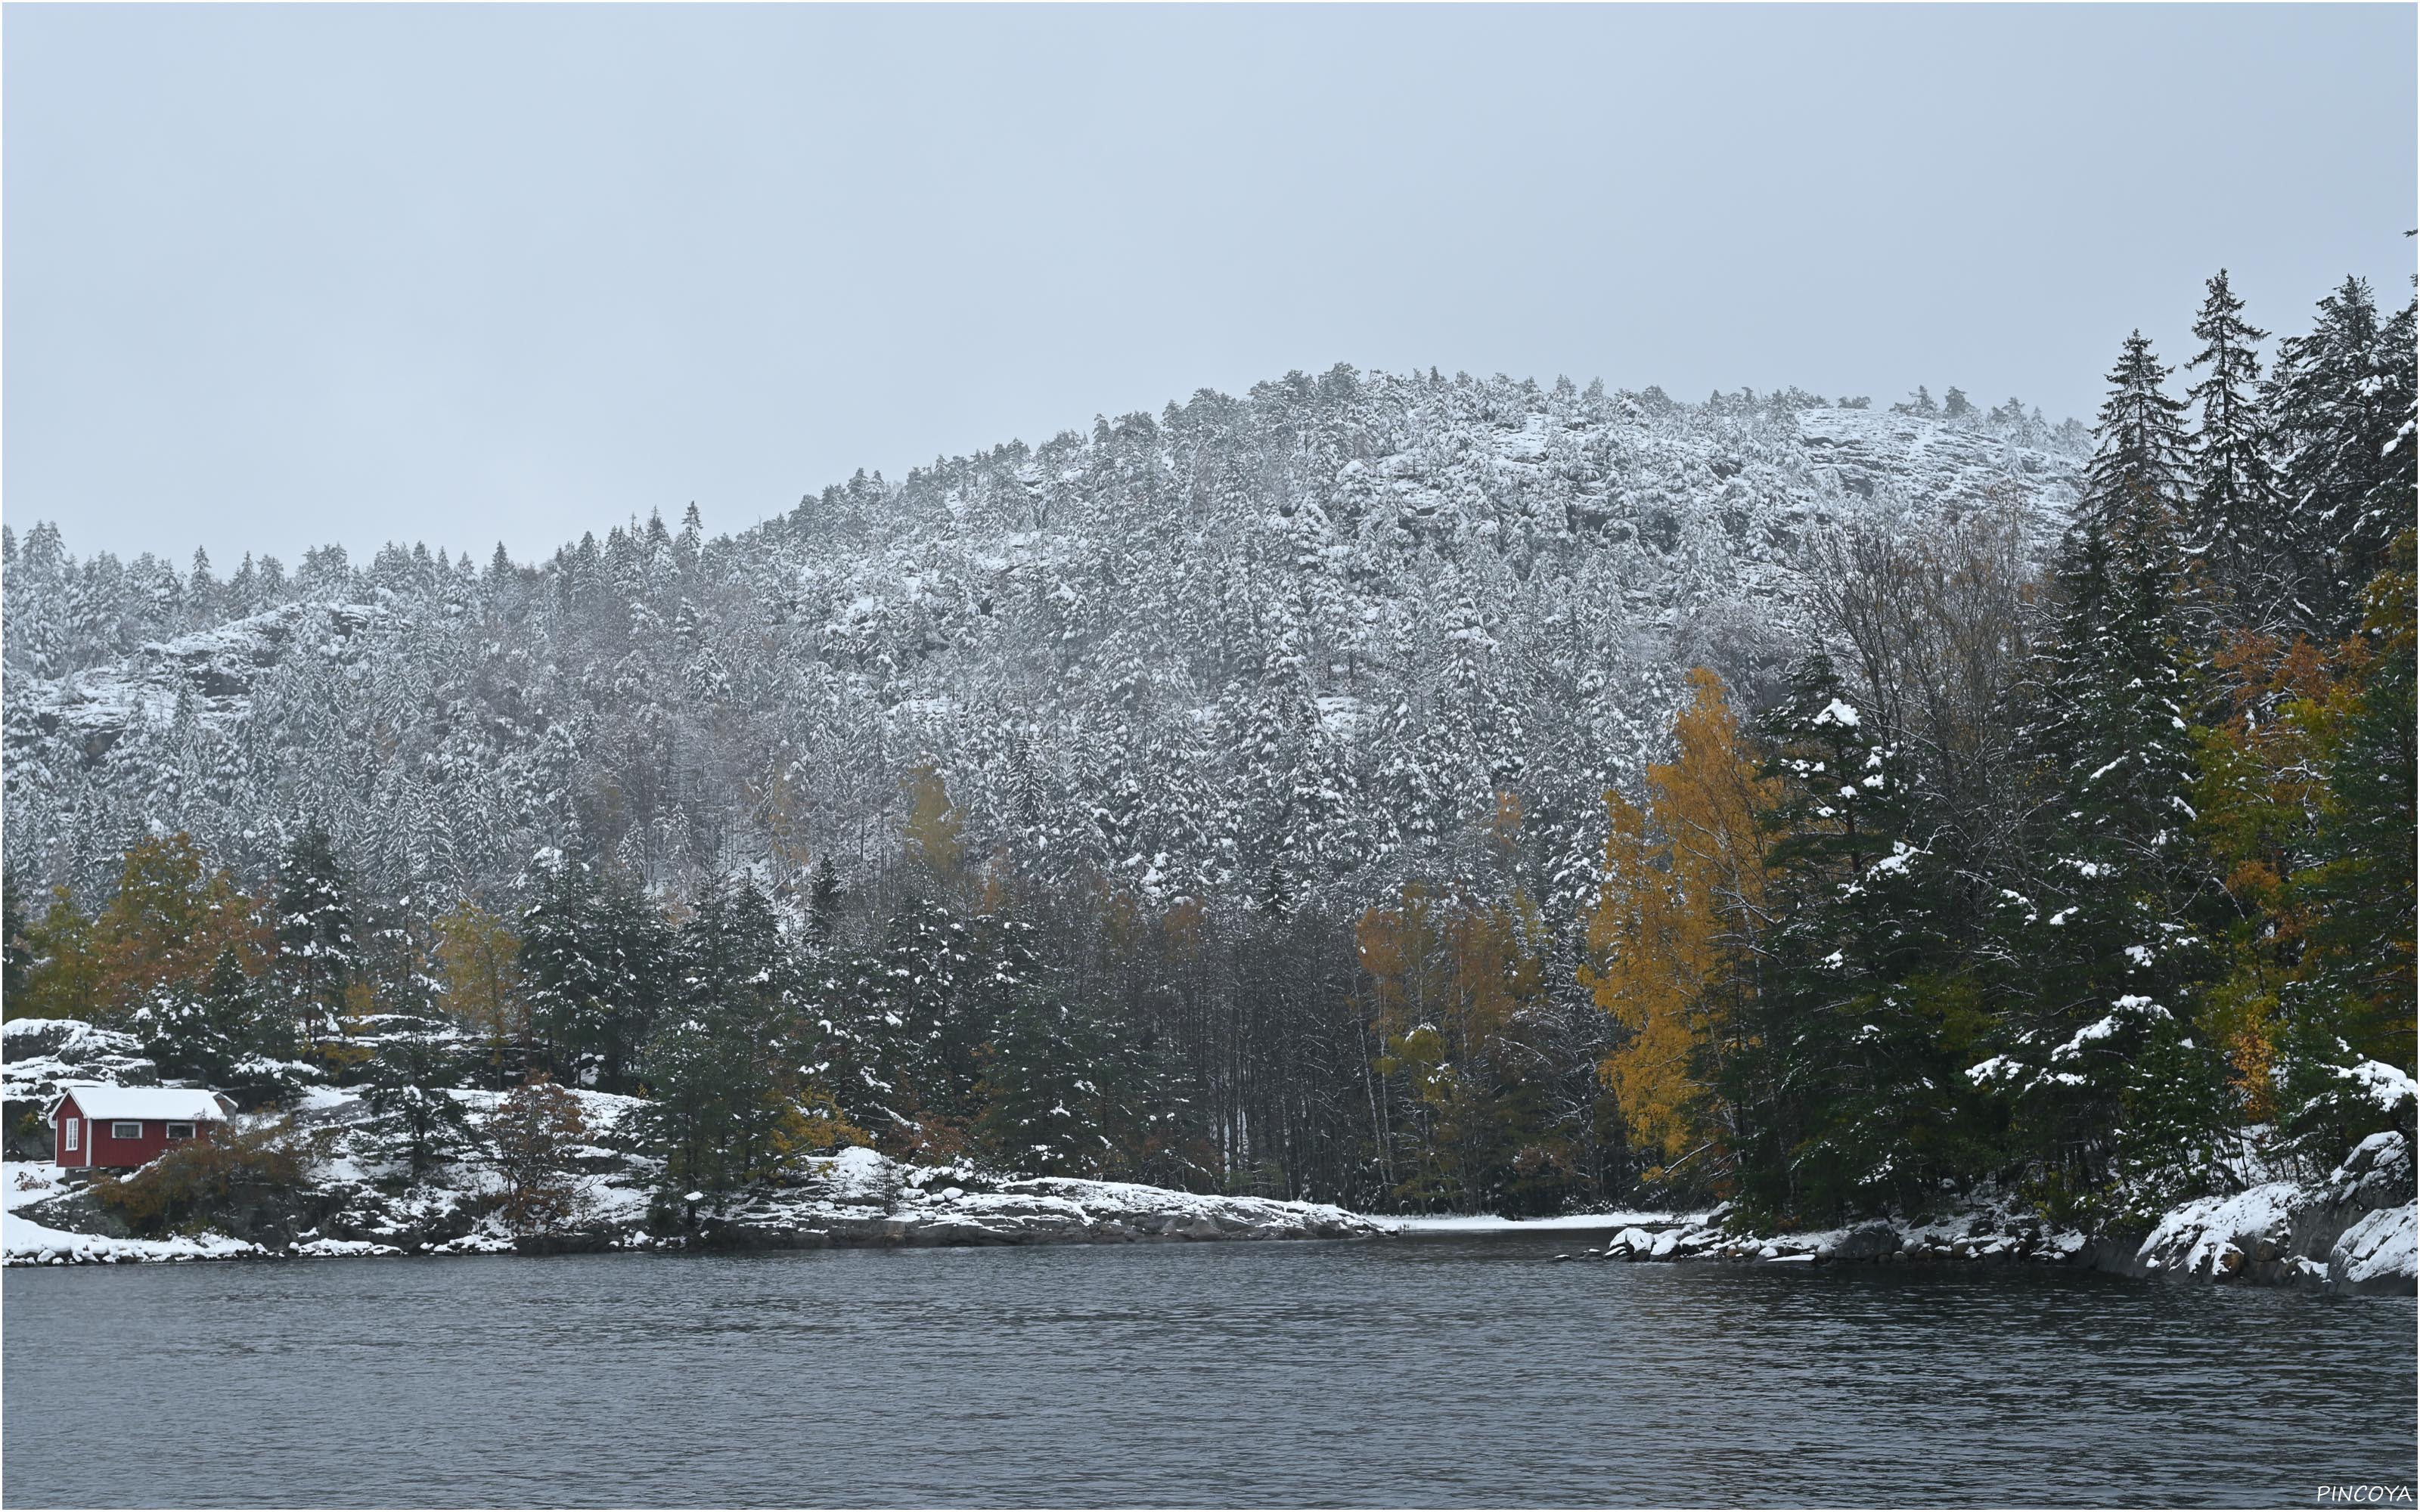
(221, 1178)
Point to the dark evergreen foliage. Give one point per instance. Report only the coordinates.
(2237, 536)
(418, 1117)
(1868, 1016)
(320, 955)
(2143, 456)
(724, 1071)
(2339, 397)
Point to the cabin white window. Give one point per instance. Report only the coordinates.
(180, 1130)
(71, 1132)
(127, 1129)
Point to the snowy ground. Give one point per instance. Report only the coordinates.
(855, 1197)
(26, 1242)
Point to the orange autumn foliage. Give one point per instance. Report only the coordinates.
(1672, 936)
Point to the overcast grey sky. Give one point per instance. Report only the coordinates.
(280, 277)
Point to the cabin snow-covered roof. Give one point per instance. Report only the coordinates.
(104, 1100)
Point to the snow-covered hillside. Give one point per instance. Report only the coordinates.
(1298, 641)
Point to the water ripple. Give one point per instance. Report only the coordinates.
(1437, 1371)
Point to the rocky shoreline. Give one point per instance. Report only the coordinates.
(2352, 1234)
(862, 1199)
(353, 1202)
(850, 1200)
(855, 1199)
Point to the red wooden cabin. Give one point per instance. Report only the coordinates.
(107, 1125)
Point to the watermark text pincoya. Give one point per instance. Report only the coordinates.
(2373, 1495)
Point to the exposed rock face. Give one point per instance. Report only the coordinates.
(2352, 1233)
(88, 713)
(1867, 1241)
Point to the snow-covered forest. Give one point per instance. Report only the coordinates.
(1406, 790)
(1298, 640)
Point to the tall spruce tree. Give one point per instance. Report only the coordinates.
(725, 1070)
(594, 957)
(2143, 456)
(1868, 1016)
(2102, 941)
(909, 1019)
(416, 1116)
(2338, 397)
(2234, 539)
(2392, 495)
(16, 955)
(218, 1031)
(1069, 1090)
(321, 952)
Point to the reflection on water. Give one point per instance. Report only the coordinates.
(1429, 1371)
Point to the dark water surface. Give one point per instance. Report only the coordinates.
(1418, 1371)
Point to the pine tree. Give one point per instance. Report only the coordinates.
(909, 1019)
(2142, 457)
(823, 903)
(2234, 538)
(217, 1031)
(1065, 1090)
(595, 959)
(2103, 937)
(416, 1117)
(2339, 398)
(725, 1070)
(16, 953)
(319, 956)
(1846, 1073)
(2388, 511)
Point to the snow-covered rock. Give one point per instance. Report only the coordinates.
(40, 1056)
(2352, 1232)
(352, 1205)
(30, 1187)
(2245, 1236)
(2379, 1253)
(329, 1249)
(35, 1054)
(858, 1197)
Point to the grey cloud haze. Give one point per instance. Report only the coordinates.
(277, 276)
